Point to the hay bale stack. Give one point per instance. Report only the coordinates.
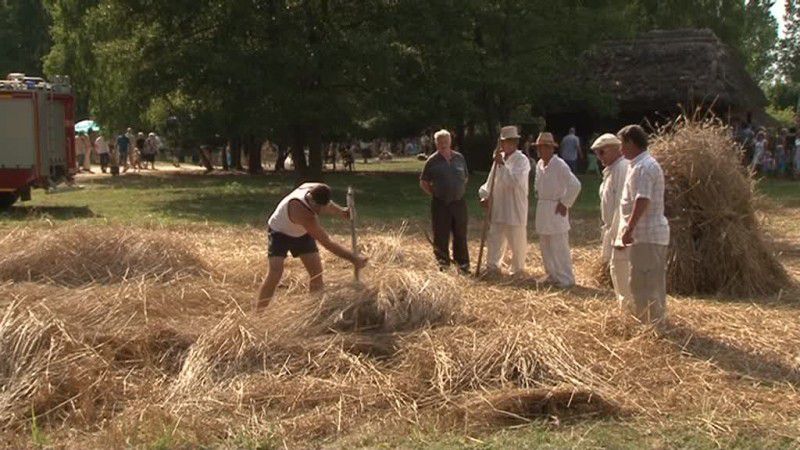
(717, 246)
(78, 256)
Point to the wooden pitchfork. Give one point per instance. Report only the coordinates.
(487, 218)
(351, 206)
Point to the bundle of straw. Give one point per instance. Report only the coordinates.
(717, 246)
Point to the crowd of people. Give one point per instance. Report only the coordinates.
(122, 152)
(772, 152)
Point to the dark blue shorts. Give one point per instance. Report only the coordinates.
(281, 244)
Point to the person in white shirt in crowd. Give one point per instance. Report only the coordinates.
(608, 149)
(643, 228)
(101, 147)
(509, 220)
(88, 145)
(557, 188)
(570, 149)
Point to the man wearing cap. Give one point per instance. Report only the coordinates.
(509, 198)
(557, 188)
(643, 228)
(444, 178)
(608, 150)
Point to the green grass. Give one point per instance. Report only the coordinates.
(585, 435)
(382, 197)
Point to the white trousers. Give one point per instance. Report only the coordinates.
(557, 259)
(620, 266)
(516, 237)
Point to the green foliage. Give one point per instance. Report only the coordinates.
(784, 116)
(789, 60)
(24, 37)
(303, 72)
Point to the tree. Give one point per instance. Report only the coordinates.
(789, 60)
(24, 36)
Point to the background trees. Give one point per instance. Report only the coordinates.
(304, 72)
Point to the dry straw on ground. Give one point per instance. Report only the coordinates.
(716, 246)
(119, 360)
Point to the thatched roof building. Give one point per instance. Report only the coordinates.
(660, 73)
(661, 69)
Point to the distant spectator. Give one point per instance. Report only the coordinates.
(759, 149)
(123, 146)
(570, 149)
(150, 150)
(101, 147)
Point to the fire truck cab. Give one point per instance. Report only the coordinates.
(37, 135)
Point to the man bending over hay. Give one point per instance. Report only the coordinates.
(294, 227)
(644, 229)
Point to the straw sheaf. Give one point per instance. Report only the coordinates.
(117, 362)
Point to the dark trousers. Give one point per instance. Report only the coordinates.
(450, 218)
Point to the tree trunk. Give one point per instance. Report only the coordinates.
(280, 160)
(236, 153)
(253, 148)
(298, 152)
(315, 154)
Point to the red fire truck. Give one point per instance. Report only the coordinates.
(37, 135)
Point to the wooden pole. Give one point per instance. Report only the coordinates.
(487, 218)
(351, 206)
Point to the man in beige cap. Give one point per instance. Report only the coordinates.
(557, 188)
(643, 228)
(608, 150)
(509, 220)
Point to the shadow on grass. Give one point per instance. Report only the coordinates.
(746, 364)
(25, 212)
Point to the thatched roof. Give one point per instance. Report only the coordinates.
(661, 69)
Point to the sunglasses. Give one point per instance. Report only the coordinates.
(600, 151)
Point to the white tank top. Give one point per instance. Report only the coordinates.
(279, 220)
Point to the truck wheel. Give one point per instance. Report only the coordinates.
(7, 199)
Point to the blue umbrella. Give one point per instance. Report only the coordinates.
(86, 126)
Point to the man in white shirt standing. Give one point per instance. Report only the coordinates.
(509, 220)
(643, 228)
(557, 188)
(608, 150)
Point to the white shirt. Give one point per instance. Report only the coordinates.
(645, 179)
(100, 145)
(554, 183)
(510, 197)
(281, 222)
(610, 196)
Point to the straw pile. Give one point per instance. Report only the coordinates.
(129, 361)
(717, 246)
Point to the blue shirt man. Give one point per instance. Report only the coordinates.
(570, 149)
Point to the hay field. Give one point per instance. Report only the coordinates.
(115, 335)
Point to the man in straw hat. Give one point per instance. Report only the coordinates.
(294, 227)
(608, 149)
(557, 188)
(444, 178)
(643, 228)
(508, 185)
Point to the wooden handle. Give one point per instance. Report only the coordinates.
(351, 206)
(487, 218)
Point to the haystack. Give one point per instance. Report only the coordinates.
(717, 246)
